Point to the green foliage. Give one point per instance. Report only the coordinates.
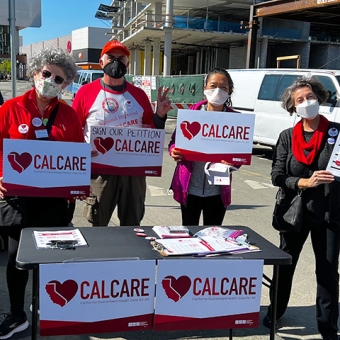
(5, 66)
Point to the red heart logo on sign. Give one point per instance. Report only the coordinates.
(190, 130)
(103, 145)
(18, 162)
(61, 293)
(337, 163)
(175, 289)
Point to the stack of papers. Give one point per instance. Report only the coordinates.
(171, 232)
(200, 246)
(226, 233)
(45, 239)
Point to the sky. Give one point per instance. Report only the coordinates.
(60, 17)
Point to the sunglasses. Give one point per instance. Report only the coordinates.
(47, 74)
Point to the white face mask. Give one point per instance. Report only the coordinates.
(309, 109)
(47, 87)
(216, 97)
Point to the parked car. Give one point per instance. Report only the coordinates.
(83, 77)
(259, 91)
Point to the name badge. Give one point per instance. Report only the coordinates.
(41, 133)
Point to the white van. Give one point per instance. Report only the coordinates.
(83, 77)
(259, 91)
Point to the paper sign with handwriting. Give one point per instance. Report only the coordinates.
(210, 136)
(45, 168)
(127, 151)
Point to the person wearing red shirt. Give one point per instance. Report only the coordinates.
(112, 101)
(28, 117)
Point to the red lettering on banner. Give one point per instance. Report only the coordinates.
(95, 291)
(224, 281)
(113, 294)
(137, 146)
(144, 287)
(103, 291)
(252, 285)
(196, 291)
(235, 286)
(114, 289)
(125, 290)
(72, 163)
(226, 132)
(82, 295)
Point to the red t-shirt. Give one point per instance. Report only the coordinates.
(17, 116)
(100, 106)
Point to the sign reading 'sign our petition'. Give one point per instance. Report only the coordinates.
(45, 168)
(127, 151)
(211, 136)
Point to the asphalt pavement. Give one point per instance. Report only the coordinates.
(253, 199)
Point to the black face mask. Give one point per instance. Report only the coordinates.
(116, 69)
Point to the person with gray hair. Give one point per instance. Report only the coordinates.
(300, 158)
(36, 115)
(55, 56)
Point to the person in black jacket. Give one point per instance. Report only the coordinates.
(300, 158)
(1, 99)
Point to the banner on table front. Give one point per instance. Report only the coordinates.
(208, 294)
(96, 297)
(210, 136)
(127, 151)
(45, 168)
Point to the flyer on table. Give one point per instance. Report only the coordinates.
(96, 297)
(210, 136)
(127, 151)
(45, 168)
(195, 294)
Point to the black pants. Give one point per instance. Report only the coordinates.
(325, 241)
(212, 207)
(40, 213)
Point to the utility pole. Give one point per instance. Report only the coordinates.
(11, 19)
(252, 39)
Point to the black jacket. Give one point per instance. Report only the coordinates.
(323, 202)
(1, 98)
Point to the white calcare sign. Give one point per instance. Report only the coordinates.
(211, 136)
(45, 168)
(208, 294)
(127, 151)
(96, 297)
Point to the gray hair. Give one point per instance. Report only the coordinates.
(55, 56)
(312, 82)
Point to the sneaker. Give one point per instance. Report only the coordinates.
(267, 322)
(13, 323)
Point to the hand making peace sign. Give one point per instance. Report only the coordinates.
(163, 102)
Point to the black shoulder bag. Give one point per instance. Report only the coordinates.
(288, 212)
(288, 209)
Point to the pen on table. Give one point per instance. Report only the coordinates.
(212, 255)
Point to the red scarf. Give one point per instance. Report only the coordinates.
(314, 145)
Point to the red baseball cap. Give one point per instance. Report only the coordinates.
(113, 45)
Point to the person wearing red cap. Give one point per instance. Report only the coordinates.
(112, 101)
